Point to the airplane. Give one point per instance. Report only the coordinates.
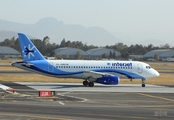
(103, 72)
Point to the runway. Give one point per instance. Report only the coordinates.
(75, 102)
(97, 88)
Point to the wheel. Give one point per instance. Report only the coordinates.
(91, 84)
(85, 83)
(143, 85)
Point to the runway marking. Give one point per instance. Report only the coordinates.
(136, 116)
(63, 94)
(119, 115)
(32, 116)
(125, 106)
(77, 113)
(61, 103)
(152, 96)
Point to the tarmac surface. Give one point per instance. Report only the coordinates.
(75, 102)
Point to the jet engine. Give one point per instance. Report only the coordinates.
(110, 80)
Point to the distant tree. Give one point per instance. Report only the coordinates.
(68, 44)
(67, 56)
(110, 54)
(104, 55)
(125, 55)
(156, 57)
(78, 55)
(57, 56)
(46, 40)
(114, 55)
(166, 46)
(63, 43)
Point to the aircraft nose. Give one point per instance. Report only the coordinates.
(156, 73)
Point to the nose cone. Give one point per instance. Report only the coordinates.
(156, 73)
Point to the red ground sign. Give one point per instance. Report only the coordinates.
(44, 93)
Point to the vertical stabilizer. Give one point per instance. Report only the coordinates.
(29, 50)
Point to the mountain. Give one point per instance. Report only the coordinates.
(7, 34)
(57, 30)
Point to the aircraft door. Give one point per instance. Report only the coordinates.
(50, 67)
(140, 68)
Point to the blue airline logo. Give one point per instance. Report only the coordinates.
(108, 63)
(118, 64)
(29, 51)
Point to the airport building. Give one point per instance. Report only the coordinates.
(102, 53)
(70, 53)
(163, 54)
(98, 53)
(8, 52)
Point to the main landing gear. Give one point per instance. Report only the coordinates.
(86, 83)
(143, 83)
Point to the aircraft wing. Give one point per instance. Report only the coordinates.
(95, 74)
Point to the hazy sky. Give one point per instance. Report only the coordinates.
(133, 20)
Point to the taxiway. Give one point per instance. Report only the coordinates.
(75, 102)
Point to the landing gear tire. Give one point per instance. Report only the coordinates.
(91, 84)
(85, 83)
(143, 85)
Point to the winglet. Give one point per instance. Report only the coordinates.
(29, 50)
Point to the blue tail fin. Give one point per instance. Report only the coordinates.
(29, 50)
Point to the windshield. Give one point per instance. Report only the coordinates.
(148, 67)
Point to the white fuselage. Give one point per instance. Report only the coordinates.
(76, 68)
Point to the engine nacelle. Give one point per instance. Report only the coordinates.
(110, 80)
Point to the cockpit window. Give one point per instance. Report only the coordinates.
(148, 67)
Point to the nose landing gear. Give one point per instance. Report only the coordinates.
(143, 83)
